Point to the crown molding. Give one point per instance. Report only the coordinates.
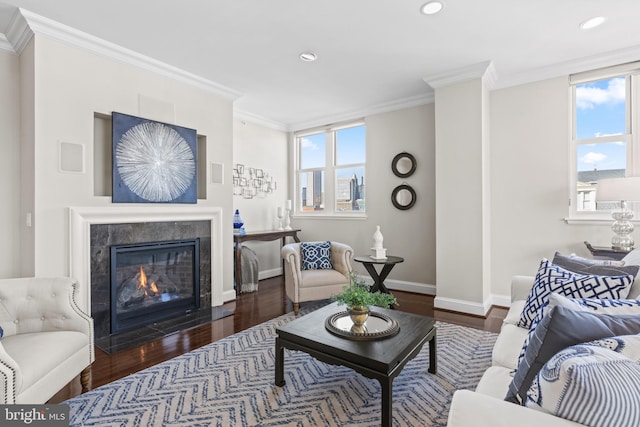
(588, 63)
(474, 71)
(42, 26)
(5, 44)
(398, 104)
(259, 120)
(18, 33)
(25, 24)
(490, 77)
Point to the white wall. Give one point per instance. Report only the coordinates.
(530, 127)
(27, 160)
(265, 148)
(409, 233)
(71, 84)
(487, 194)
(460, 195)
(10, 164)
(528, 191)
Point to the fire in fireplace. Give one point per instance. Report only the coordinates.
(140, 290)
(153, 281)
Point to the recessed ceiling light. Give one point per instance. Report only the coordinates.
(308, 56)
(432, 7)
(592, 22)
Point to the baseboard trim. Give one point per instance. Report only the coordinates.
(267, 274)
(462, 306)
(499, 300)
(228, 296)
(443, 303)
(417, 288)
(397, 285)
(471, 307)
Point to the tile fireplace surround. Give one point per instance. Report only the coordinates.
(103, 236)
(81, 219)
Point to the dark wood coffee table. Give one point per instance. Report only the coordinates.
(381, 359)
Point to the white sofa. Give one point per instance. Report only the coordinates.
(486, 406)
(47, 339)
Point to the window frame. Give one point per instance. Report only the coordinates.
(631, 72)
(330, 172)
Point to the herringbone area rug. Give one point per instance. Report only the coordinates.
(231, 383)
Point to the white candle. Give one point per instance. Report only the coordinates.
(279, 211)
(288, 205)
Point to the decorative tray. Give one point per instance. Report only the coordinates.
(377, 326)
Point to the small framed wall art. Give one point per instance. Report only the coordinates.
(153, 162)
(259, 183)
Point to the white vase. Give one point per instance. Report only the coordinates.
(377, 238)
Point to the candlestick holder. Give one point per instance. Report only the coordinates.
(287, 219)
(280, 216)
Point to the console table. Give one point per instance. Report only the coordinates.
(259, 236)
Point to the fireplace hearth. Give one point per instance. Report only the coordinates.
(153, 281)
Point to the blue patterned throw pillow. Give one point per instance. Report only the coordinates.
(552, 278)
(600, 267)
(595, 383)
(597, 306)
(615, 307)
(560, 328)
(316, 256)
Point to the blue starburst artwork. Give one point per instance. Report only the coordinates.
(153, 162)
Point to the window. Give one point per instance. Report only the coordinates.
(330, 170)
(604, 135)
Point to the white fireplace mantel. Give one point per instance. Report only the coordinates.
(81, 219)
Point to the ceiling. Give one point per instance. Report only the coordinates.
(372, 55)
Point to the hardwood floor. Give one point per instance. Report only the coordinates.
(249, 310)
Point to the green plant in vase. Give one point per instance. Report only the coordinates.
(359, 299)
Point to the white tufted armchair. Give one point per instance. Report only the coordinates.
(311, 285)
(47, 339)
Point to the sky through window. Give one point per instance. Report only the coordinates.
(600, 111)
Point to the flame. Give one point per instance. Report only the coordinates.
(143, 279)
(150, 290)
(154, 288)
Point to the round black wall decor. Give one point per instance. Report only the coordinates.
(403, 197)
(403, 165)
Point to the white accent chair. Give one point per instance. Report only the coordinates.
(312, 285)
(47, 339)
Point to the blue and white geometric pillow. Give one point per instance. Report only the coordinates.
(613, 307)
(316, 256)
(552, 278)
(596, 383)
